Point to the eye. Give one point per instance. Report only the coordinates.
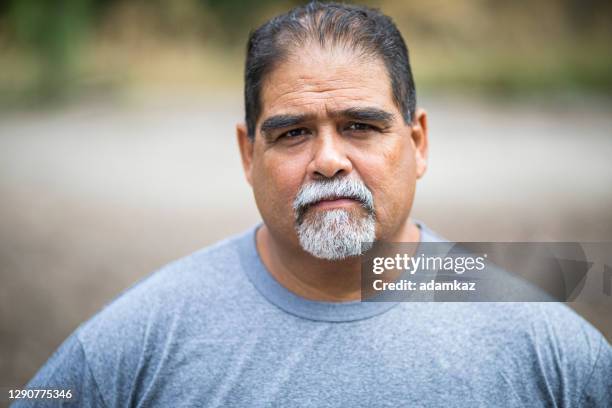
(293, 133)
(360, 127)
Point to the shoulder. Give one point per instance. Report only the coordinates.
(541, 350)
(200, 275)
(572, 354)
(567, 340)
(555, 327)
(558, 350)
(123, 349)
(146, 322)
(550, 329)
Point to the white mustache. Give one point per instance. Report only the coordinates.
(332, 189)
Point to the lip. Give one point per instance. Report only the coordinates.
(335, 203)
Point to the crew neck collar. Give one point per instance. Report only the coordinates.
(298, 306)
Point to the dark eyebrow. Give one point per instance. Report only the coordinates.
(368, 115)
(282, 121)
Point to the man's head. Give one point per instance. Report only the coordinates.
(332, 144)
(362, 30)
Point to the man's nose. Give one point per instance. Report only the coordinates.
(329, 158)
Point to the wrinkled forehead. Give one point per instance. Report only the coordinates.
(316, 80)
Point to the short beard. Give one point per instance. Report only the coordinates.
(335, 234)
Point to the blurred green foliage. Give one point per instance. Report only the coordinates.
(50, 49)
(52, 31)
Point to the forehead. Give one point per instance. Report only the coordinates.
(316, 81)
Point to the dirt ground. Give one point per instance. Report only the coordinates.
(96, 196)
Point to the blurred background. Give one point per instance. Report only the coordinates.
(118, 154)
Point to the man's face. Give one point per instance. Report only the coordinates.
(329, 116)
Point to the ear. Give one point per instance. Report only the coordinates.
(246, 150)
(421, 142)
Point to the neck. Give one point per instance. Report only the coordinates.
(318, 279)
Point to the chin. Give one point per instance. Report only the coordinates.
(336, 234)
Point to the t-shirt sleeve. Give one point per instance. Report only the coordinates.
(67, 369)
(598, 387)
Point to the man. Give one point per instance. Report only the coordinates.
(332, 146)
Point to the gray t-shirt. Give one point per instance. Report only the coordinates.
(216, 329)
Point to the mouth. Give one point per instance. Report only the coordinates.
(335, 202)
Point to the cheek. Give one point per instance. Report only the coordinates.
(276, 180)
(403, 170)
(391, 175)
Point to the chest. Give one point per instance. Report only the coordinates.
(325, 366)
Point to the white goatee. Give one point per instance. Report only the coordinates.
(338, 233)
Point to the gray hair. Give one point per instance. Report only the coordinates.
(337, 233)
